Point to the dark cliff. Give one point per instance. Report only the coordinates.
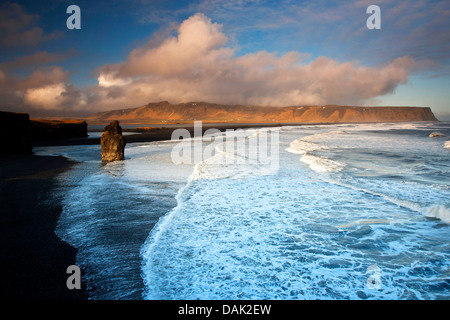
(15, 133)
(18, 132)
(44, 130)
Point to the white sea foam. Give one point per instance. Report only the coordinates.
(438, 212)
(323, 135)
(301, 146)
(222, 165)
(238, 239)
(447, 144)
(409, 126)
(321, 164)
(305, 147)
(249, 153)
(433, 211)
(238, 233)
(230, 161)
(365, 222)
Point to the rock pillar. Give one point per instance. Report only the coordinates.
(113, 143)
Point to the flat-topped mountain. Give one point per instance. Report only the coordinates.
(165, 112)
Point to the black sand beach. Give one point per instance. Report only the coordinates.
(33, 259)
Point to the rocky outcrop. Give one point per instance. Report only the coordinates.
(15, 133)
(112, 143)
(45, 130)
(165, 112)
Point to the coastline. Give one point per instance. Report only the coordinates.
(165, 133)
(34, 259)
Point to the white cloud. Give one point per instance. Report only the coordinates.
(107, 80)
(199, 41)
(49, 97)
(197, 65)
(45, 89)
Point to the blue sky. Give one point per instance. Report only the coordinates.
(252, 52)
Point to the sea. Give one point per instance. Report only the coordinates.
(335, 211)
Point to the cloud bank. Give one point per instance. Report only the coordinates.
(197, 65)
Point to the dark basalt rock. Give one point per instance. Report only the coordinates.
(15, 133)
(113, 143)
(46, 130)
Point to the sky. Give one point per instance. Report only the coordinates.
(268, 53)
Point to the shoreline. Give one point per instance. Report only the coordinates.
(34, 259)
(165, 133)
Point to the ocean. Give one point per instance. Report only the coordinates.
(339, 211)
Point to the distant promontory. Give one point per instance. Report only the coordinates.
(167, 113)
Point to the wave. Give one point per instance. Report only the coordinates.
(447, 144)
(300, 146)
(321, 164)
(227, 162)
(323, 135)
(387, 126)
(317, 163)
(410, 126)
(439, 212)
(364, 222)
(150, 244)
(304, 145)
(434, 211)
(239, 158)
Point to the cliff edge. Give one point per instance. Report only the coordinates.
(45, 130)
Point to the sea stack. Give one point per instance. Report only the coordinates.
(113, 143)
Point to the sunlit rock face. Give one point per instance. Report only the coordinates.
(113, 143)
(165, 112)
